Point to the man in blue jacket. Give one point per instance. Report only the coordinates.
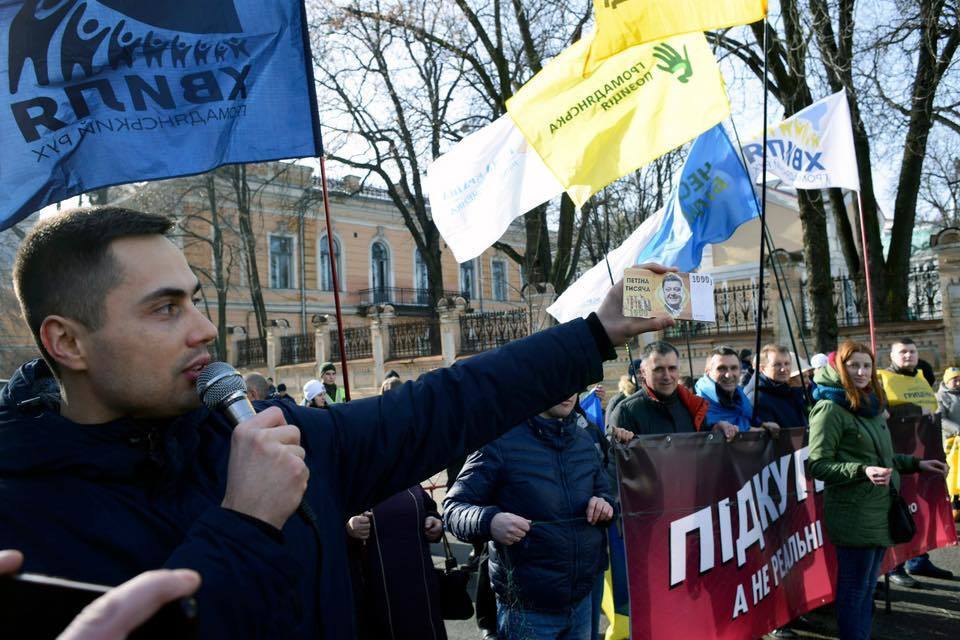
(779, 401)
(537, 495)
(109, 466)
(720, 386)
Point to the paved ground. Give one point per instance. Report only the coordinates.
(932, 611)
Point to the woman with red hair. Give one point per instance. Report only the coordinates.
(852, 452)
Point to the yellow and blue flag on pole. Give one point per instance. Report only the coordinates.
(626, 23)
(713, 197)
(640, 104)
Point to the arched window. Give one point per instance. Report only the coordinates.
(326, 276)
(380, 270)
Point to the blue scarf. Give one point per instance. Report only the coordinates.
(869, 408)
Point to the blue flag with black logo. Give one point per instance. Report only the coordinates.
(713, 197)
(103, 92)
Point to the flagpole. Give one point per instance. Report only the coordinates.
(866, 272)
(606, 259)
(779, 277)
(763, 225)
(333, 277)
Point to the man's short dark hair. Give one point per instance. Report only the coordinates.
(661, 347)
(903, 341)
(64, 267)
(724, 350)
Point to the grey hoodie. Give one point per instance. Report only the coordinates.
(950, 410)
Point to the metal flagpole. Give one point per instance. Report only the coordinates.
(866, 272)
(334, 278)
(763, 225)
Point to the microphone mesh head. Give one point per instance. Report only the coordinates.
(217, 381)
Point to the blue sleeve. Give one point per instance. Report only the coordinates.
(468, 507)
(249, 580)
(385, 444)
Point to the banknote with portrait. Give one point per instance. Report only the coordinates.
(684, 296)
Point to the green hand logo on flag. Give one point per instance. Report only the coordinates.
(673, 61)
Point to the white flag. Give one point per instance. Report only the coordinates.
(477, 188)
(812, 149)
(585, 295)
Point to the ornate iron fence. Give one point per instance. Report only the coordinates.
(850, 299)
(415, 339)
(736, 309)
(356, 341)
(298, 348)
(251, 352)
(402, 296)
(482, 331)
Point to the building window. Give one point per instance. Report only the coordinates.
(498, 273)
(421, 279)
(468, 278)
(326, 276)
(281, 262)
(379, 266)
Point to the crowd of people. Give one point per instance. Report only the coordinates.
(292, 520)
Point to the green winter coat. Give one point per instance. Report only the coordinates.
(841, 448)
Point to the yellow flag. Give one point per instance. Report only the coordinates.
(626, 23)
(639, 104)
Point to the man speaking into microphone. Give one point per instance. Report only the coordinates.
(122, 470)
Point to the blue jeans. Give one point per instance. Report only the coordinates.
(857, 571)
(525, 624)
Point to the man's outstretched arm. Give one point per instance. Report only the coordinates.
(392, 442)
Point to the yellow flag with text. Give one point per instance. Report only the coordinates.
(640, 104)
(626, 23)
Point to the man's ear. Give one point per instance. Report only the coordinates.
(64, 340)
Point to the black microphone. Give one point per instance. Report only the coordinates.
(221, 388)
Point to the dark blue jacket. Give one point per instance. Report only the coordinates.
(101, 503)
(545, 471)
(781, 403)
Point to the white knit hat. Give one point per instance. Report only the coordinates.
(312, 389)
(819, 360)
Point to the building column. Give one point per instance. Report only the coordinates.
(450, 311)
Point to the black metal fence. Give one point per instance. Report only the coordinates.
(356, 341)
(482, 331)
(850, 298)
(251, 352)
(736, 309)
(401, 296)
(297, 348)
(415, 339)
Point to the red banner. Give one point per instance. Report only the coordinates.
(726, 540)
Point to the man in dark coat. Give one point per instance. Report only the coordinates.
(123, 471)
(779, 402)
(542, 486)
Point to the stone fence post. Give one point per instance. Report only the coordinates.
(450, 310)
(380, 320)
(321, 340)
(273, 353)
(946, 245)
(788, 266)
(539, 301)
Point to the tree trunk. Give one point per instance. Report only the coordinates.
(242, 189)
(819, 281)
(218, 277)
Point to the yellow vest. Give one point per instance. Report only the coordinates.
(902, 389)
